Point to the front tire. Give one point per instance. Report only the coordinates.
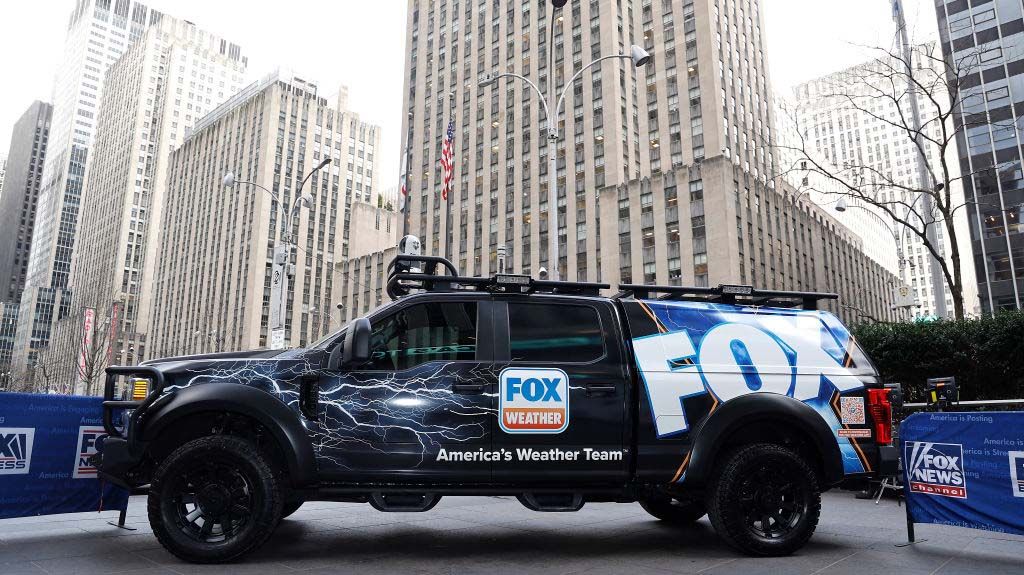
(764, 500)
(214, 500)
(673, 510)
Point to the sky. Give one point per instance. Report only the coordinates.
(808, 39)
(361, 43)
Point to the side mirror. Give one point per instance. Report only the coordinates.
(356, 347)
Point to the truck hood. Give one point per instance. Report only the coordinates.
(222, 356)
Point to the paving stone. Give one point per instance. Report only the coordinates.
(496, 535)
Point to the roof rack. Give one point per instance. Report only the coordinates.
(725, 293)
(404, 275)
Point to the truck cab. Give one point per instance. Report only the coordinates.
(737, 403)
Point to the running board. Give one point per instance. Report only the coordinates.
(552, 502)
(403, 502)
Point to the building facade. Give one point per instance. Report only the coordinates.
(991, 36)
(9, 379)
(867, 222)
(363, 283)
(164, 83)
(25, 159)
(18, 202)
(666, 173)
(845, 125)
(98, 32)
(213, 272)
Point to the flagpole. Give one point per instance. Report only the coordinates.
(405, 183)
(451, 192)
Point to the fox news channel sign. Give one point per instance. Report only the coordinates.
(46, 442)
(965, 469)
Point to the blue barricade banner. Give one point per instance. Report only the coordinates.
(965, 469)
(45, 445)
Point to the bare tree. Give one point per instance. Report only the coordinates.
(94, 353)
(882, 91)
(20, 379)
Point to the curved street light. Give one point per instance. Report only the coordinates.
(639, 57)
(289, 245)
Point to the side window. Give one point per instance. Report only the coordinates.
(554, 332)
(421, 333)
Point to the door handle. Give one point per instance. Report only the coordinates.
(600, 389)
(467, 388)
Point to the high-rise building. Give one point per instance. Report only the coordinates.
(25, 158)
(3, 172)
(24, 167)
(213, 273)
(845, 126)
(8, 325)
(162, 85)
(98, 32)
(666, 173)
(988, 37)
(867, 222)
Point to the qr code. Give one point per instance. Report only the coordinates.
(852, 410)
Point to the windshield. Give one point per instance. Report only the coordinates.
(327, 339)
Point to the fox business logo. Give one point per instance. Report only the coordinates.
(88, 439)
(534, 400)
(936, 468)
(16, 450)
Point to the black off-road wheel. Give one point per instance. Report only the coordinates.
(764, 500)
(676, 511)
(214, 500)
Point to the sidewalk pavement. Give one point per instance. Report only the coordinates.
(496, 535)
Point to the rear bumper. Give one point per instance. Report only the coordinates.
(888, 460)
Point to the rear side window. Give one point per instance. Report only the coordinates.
(554, 332)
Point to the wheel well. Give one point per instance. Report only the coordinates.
(203, 424)
(778, 432)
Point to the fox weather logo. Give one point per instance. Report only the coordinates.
(15, 450)
(534, 400)
(936, 468)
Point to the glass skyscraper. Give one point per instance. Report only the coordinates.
(983, 40)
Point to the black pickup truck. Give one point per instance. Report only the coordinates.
(738, 403)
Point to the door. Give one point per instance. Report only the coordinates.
(562, 392)
(420, 408)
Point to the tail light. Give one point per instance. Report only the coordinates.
(881, 414)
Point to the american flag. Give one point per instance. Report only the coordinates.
(447, 157)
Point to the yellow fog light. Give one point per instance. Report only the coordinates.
(140, 389)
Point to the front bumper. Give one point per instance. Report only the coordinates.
(116, 462)
(122, 451)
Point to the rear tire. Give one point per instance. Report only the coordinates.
(764, 500)
(214, 500)
(673, 510)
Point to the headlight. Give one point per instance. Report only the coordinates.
(140, 389)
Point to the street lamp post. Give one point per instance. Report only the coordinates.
(638, 55)
(406, 188)
(281, 270)
(842, 206)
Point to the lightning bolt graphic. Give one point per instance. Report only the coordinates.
(366, 408)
